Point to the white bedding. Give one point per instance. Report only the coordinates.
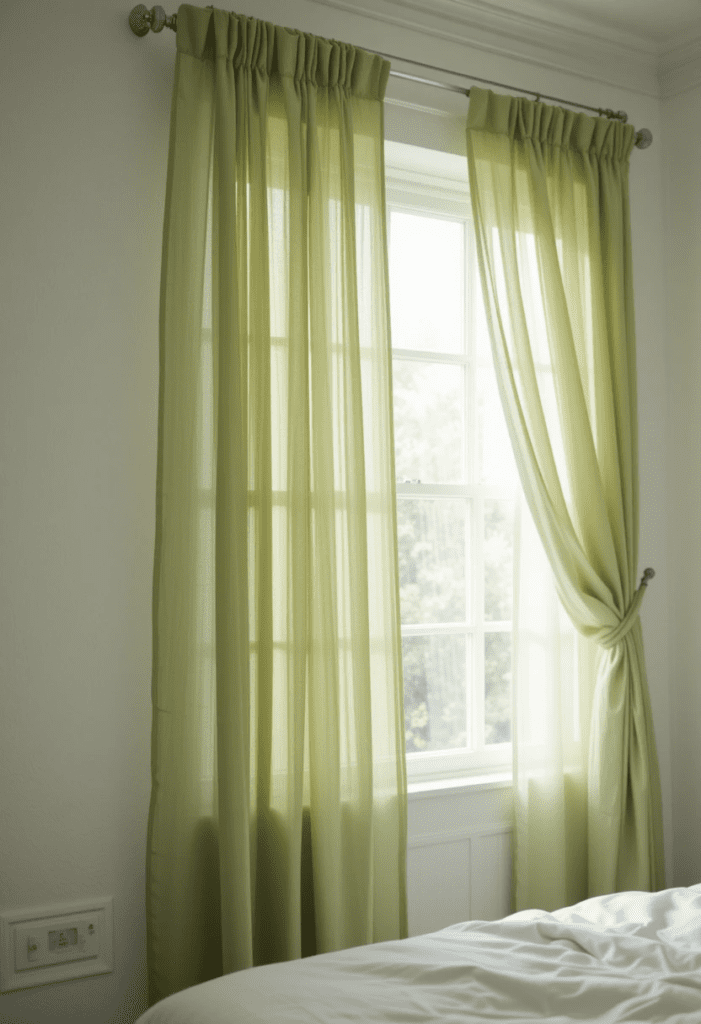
(632, 957)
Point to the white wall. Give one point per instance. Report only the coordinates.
(682, 341)
(83, 138)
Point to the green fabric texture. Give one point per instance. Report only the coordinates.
(278, 812)
(551, 211)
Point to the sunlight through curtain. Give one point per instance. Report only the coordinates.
(550, 201)
(278, 814)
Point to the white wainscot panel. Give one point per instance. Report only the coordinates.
(490, 874)
(438, 877)
(459, 859)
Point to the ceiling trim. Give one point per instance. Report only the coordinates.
(680, 69)
(559, 42)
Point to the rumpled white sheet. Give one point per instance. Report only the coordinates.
(633, 957)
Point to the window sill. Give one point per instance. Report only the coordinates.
(471, 784)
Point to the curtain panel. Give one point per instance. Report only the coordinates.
(278, 812)
(550, 203)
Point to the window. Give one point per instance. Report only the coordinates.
(456, 477)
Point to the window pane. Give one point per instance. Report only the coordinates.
(432, 560)
(435, 704)
(496, 466)
(498, 559)
(497, 688)
(429, 416)
(427, 274)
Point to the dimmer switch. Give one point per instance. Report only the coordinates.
(55, 943)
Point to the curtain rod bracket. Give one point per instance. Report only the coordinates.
(141, 20)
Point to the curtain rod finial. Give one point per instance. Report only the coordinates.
(141, 20)
(643, 138)
(647, 576)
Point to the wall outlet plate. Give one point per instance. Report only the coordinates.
(46, 944)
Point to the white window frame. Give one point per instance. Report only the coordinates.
(441, 190)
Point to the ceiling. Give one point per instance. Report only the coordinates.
(661, 23)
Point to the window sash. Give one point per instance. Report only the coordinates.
(419, 194)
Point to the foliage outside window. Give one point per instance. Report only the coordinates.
(455, 474)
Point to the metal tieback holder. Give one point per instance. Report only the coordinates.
(141, 20)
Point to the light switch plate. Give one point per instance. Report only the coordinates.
(46, 944)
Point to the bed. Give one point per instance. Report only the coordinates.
(632, 957)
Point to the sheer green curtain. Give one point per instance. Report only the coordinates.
(550, 201)
(278, 814)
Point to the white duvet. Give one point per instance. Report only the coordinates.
(626, 957)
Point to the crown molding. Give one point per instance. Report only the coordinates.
(534, 34)
(680, 68)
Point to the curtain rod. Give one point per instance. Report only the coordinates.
(141, 20)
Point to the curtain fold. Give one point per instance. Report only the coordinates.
(550, 203)
(278, 811)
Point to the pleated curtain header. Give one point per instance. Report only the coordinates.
(280, 52)
(521, 119)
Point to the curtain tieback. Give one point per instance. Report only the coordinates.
(610, 637)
